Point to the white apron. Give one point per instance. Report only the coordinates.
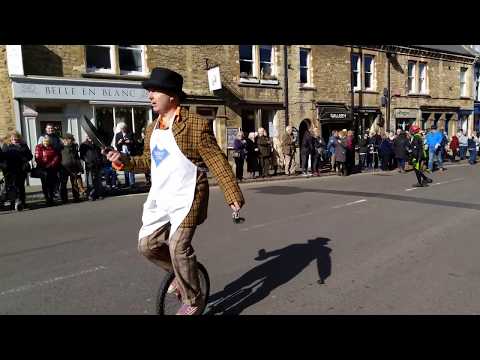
(174, 178)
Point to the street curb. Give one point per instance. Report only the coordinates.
(38, 195)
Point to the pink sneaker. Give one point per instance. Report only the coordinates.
(173, 287)
(190, 310)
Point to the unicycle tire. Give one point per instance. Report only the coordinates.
(168, 304)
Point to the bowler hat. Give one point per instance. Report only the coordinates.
(165, 79)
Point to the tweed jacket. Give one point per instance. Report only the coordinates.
(197, 142)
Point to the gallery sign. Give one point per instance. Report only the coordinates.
(406, 113)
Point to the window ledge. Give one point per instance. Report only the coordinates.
(307, 88)
(465, 98)
(416, 95)
(114, 76)
(269, 82)
(259, 85)
(249, 80)
(367, 91)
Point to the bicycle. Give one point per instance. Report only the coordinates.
(169, 303)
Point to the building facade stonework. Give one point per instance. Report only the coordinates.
(394, 87)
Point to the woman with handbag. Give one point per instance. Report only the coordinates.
(48, 161)
(17, 155)
(239, 152)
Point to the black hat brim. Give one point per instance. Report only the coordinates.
(152, 84)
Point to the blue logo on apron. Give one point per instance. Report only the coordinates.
(159, 155)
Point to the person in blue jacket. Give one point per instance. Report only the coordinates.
(434, 142)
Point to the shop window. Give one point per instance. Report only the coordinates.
(140, 120)
(305, 67)
(248, 121)
(267, 117)
(107, 119)
(210, 114)
(105, 124)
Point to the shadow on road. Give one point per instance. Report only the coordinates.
(256, 284)
(290, 190)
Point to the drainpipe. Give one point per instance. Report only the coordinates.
(352, 97)
(285, 81)
(388, 125)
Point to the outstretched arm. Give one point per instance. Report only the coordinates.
(137, 164)
(217, 163)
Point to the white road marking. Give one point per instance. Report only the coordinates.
(350, 203)
(130, 195)
(438, 183)
(50, 281)
(276, 221)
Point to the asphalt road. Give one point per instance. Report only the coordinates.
(379, 246)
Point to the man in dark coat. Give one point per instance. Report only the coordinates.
(400, 148)
(306, 150)
(91, 154)
(265, 152)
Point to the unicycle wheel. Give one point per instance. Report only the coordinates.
(169, 304)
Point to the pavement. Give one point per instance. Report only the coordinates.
(363, 244)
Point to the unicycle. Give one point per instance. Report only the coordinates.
(169, 304)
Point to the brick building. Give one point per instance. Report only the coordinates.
(394, 86)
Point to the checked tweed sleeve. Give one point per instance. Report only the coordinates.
(140, 163)
(217, 163)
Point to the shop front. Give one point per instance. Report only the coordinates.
(463, 122)
(333, 117)
(62, 102)
(445, 118)
(405, 118)
(366, 117)
(476, 117)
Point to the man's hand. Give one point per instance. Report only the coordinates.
(235, 206)
(113, 156)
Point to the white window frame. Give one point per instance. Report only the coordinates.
(422, 81)
(372, 72)
(256, 76)
(142, 50)
(309, 82)
(413, 88)
(113, 61)
(271, 62)
(463, 84)
(115, 64)
(476, 88)
(356, 71)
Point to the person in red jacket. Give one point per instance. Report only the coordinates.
(48, 160)
(454, 146)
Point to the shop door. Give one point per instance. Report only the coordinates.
(404, 124)
(55, 119)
